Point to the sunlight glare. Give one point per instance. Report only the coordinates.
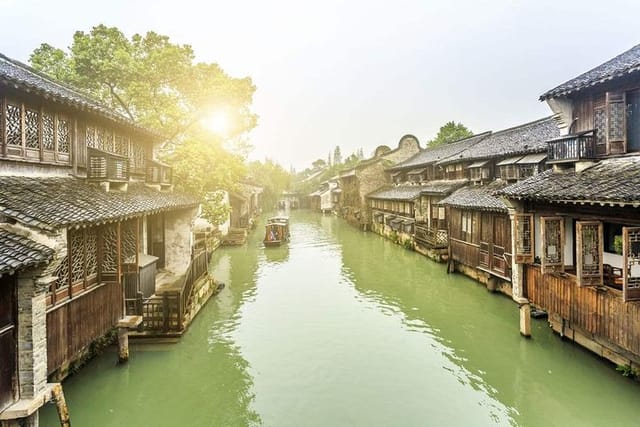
(217, 123)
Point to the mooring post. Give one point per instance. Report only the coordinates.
(61, 405)
(525, 319)
(126, 324)
(123, 345)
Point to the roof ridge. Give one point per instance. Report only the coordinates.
(560, 90)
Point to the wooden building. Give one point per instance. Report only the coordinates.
(426, 185)
(81, 191)
(577, 226)
(369, 175)
(479, 224)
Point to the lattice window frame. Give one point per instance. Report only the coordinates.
(589, 248)
(552, 234)
(525, 238)
(631, 263)
(32, 128)
(13, 124)
(48, 131)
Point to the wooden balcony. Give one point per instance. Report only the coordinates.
(158, 173)
(597, 312)
(105, 166)
(431, 237)
(572, 148)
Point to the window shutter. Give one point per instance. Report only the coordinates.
(524, 239)
(631, 263)
(552, 231)
(589, 248)
(616, 123)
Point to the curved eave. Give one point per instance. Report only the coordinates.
(566, 92)
(611, 203)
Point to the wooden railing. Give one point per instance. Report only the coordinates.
(598, 311)
(484, 258)
(571, 148)
(465, 252)
(432, 237)
(166, 312)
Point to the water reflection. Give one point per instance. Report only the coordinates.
(344, 328)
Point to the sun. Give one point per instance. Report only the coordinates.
(217, 123)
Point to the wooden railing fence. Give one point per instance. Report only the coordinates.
(596, 310)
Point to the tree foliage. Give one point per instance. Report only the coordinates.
(149, 79)
(159, 84)
(450, 132)
(273, 179)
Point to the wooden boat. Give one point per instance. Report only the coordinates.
(276, 231)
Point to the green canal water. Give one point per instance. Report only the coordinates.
(344, 328)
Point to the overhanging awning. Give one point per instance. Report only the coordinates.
(509, 161)
(478, 164)
(532, 159)
(416, 171)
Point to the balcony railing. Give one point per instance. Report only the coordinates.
(431, 237)
(158, 173)
(104, 166)
(572, 148)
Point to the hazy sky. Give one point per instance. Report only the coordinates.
(361, 73)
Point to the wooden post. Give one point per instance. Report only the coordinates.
(61, 405)
(123, 344)
(525, 320)
(492, 284)
(165, 312)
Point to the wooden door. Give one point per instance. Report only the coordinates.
(8, 345)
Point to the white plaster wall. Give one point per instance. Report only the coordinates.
(178, 239)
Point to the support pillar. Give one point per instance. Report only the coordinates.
(123, 345)
(525, 320)
(126, 324)
(492, 284)
(61, 405)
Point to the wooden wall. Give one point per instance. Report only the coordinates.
(71, 327)
(598, 312)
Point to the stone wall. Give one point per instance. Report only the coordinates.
(32, 336)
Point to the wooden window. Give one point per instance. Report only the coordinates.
(552, 233)
(589, 248)
(467, 226)
(616, 122)
(600, 126)
(631, 263)
(524, 238)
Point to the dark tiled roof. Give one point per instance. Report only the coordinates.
(19, 75)
(411, 192)
(523, 139)
(480, 197)
(18, 252)
(613, 180)
(403, 192)
(49, 203)
(432, 155)
(623, 64)
(443, 187)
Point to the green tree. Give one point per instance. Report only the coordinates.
(337, 155)
(450, 132)
(150, 79)
(159, 84)
(273, 178)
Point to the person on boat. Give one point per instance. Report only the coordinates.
(272, 235)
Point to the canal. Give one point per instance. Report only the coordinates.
(341, 328)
